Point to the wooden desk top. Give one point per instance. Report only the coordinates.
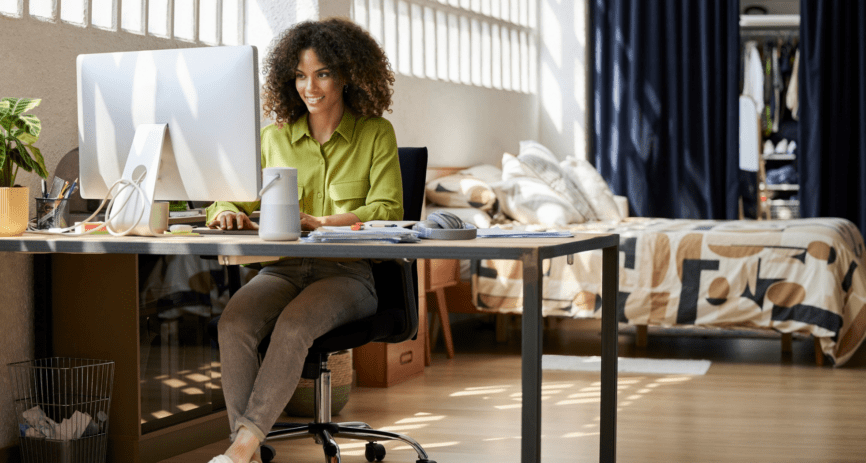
(246, 245)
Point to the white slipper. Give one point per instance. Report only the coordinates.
(221, 459)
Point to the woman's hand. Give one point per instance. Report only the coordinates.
(309, 222)
(228, 220)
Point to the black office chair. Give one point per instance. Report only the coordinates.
(396, 320)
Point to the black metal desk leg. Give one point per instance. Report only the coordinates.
(609, 338)
(531, 358)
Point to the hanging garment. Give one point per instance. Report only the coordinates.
(753, 76)
(777, 89)
(749, 147)
(791, 98)
(749, 144)
(769, 103)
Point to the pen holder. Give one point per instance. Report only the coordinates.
(52, 213)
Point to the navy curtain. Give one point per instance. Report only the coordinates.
(665, 84)
(832, 161)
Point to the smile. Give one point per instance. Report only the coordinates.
(314, 100)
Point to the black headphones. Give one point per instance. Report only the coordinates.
(444, 225)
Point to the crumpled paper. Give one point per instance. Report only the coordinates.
(41, 426)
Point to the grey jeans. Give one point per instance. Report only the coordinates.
(295, 301)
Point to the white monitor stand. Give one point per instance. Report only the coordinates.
(151, 155)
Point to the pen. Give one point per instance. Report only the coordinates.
(71, 188)
(63, 190)
(44, 188)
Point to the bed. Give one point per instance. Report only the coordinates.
(801, 276)
(792, 276)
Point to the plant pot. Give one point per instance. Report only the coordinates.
(340, 364)
(14, 210)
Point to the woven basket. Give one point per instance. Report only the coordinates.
(340, 364)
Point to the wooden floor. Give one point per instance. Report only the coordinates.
(755, 404)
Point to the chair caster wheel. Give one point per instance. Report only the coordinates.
(374, 451)
(268, 453)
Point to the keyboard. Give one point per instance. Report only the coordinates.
(220, 231)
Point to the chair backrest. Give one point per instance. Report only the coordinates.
(413, 168)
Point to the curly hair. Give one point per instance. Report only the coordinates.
(345, 48)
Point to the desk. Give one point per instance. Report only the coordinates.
(531, 252)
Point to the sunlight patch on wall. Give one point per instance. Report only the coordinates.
(157, 18)
(44, 9)
(551, 97)
(9, 8)
(484, 43)
(205, 22)
(132, 16)
(72, 11)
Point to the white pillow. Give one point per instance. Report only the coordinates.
(532, 201)
(512, 168)
(471, 215)
(485, 172)
(461, 190)
(543, 166)
(537, 149)
(593, 187)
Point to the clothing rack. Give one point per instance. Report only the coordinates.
(784, 34)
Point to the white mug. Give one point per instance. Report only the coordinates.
(280, 217)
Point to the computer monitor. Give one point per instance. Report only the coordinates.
(189, 115)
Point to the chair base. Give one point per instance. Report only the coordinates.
(324, 434)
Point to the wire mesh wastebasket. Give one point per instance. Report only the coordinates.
(62, 407)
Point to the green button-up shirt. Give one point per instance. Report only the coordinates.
(357, 170)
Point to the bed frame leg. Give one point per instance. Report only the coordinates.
(819, 354)
(503, 326)
(640, 339)
(787, 345)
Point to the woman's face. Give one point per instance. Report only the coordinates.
(318, 85)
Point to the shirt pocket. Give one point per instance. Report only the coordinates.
(348, 196)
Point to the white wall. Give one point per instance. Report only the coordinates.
(564, 77)
(461, 125)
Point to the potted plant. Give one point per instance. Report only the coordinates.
(18, 133)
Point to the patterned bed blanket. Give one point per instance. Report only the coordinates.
(804, 275)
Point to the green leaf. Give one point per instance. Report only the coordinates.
(7, 122)
(31, 124)
(4, 107)
(38, 162)
(19, 106)
(21, 160)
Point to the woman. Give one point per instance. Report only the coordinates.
(327, 84)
